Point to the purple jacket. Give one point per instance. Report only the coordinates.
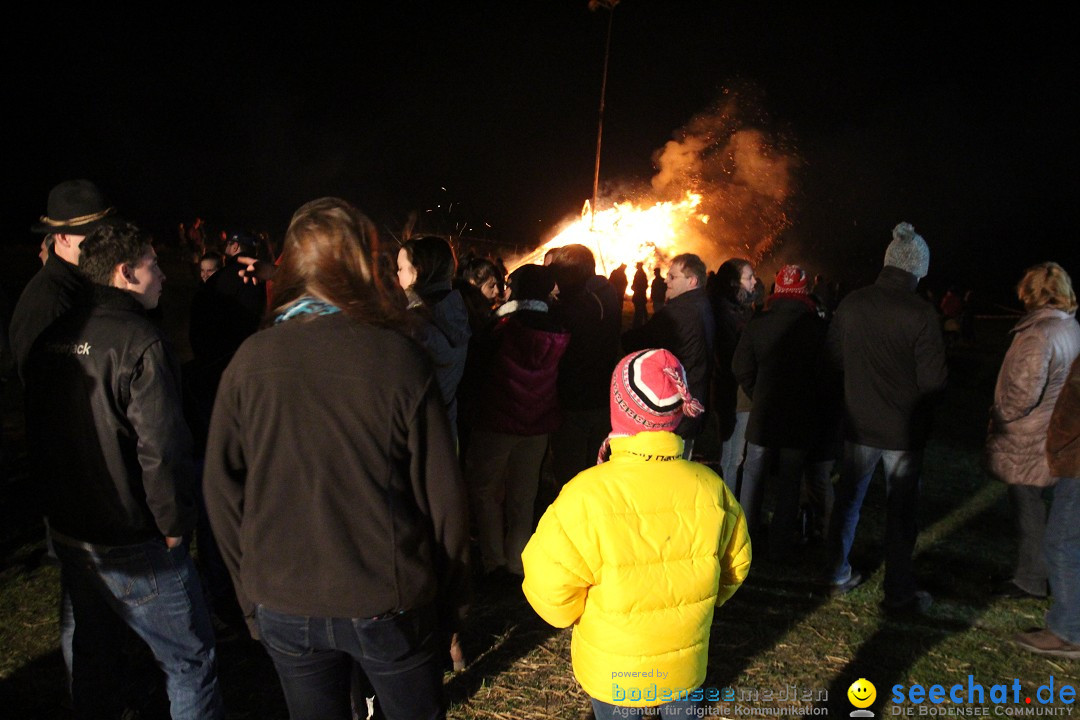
(519, 395)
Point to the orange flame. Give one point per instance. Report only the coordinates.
(627, 233)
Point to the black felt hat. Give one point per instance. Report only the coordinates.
(75, 207)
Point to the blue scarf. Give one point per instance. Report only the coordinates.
(306, 305)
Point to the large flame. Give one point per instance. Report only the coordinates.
(628, 233)
(722, 165)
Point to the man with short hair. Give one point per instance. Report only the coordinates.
(685, 327)
(112, 455)
(887, 343)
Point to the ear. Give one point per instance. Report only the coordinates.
(123, 276)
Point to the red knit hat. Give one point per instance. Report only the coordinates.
(791, 280)
(648, 392)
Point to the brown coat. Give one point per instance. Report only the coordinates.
(1063, 434)
(1044, 345)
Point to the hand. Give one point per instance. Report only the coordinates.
(171, 542)
(254, 270)
(456, 653)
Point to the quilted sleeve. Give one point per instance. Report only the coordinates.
(734, 552)
(557, 578)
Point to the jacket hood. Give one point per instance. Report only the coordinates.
(452, 318)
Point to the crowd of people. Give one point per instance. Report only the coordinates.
(359, 437)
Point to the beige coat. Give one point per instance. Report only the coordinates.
(1063, 435)
(1044, 346)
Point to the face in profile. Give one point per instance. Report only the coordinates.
(146, 280)
(406, 272)
(746, 279)
(490, 289)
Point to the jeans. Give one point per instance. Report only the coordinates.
(1062, 542)
(155, 591)
(674, 709)
(901, 526)
(314, 659)
(733, 452)
(1030, 573)
(784, 529)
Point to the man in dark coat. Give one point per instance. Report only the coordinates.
(778, 364)
(75, 208)
(685, 327)
(590, 310)
(640, 286)
(887, 343)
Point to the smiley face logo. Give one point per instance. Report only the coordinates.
(862, 693)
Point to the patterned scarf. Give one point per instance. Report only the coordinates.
(306, 305)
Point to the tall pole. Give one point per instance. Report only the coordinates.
(610, 5)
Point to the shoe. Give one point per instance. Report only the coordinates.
(1045, 642)
(1009, 589)
(842, 588)
(918, 604)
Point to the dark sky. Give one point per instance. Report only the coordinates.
(955, 118)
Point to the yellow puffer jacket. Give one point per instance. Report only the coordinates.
(636, 553)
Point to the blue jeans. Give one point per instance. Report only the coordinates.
(155, 591)
(1062, 543)
(314, 659)
(733, 451)
(674, 709)
(901, 507)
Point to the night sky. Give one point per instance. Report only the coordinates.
(957, 119)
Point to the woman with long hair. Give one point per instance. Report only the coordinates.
(426, 268)
(1045, 343)
(332, 482)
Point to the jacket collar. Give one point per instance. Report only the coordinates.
(647, 445)
(1044, 313)
(115, 298)
(896, 279)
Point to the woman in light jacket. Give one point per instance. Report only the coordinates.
(1045, 343)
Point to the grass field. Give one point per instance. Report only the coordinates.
(781, 641)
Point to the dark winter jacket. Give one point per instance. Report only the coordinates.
(887, 342)
(520, 395)
(444, 331)
(56, 288)
(104, 420)
(779, 364)
(685, 327)
(593, 317)
(1063, 435)
(225, 312)
(731, 316)
(331, 478)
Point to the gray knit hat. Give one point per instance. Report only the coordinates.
(908, 251)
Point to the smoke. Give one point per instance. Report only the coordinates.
(727, 155)
(743, 171)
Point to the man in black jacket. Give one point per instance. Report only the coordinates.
(112, 455)
(685, 327)
(75, 208)
(887, 342)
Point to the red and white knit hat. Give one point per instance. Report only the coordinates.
(649, 393)
(791, 280)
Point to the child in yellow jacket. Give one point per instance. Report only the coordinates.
(637, 552)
